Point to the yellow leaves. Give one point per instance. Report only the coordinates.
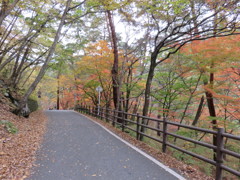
(98, 61)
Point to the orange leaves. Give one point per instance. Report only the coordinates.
(220, 96)
(96, 65)
(99, 58)
(214, 49)
(100, 50)
(218, 57)
(95, 69)
(215, 54)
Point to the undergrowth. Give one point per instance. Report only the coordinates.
(9, 126)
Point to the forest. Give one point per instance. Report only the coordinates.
(173, 59)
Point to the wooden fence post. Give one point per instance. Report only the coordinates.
(137, 128)
(101, 113)
(94, 111)
(164, 145)
(123, 121)
(90, 110)
(219, 154)
(113, 119)
(106, 114)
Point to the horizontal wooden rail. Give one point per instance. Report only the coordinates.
(193, 141)
(153, 138)
(237, 173)
(192, 154)
(231, 136)
(192, 127)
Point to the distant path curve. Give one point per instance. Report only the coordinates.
(75, 148)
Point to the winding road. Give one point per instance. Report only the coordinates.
(76, 148)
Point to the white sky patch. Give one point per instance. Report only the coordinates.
(128, 33)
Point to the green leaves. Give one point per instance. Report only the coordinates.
(108, 4)
(9, 126)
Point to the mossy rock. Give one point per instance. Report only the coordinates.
(32, 104)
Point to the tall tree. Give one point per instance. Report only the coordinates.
(48, 59)
(115, 73)
(175, 26)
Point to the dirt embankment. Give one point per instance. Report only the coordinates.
(19, 140)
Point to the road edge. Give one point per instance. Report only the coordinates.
(166, 168)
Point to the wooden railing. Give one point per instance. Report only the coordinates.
(134, 124)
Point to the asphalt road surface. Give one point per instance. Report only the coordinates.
(75, 148)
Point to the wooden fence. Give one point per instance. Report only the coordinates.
(134, 124)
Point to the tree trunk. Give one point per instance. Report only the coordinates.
(148, 91)
(199, 111)
(115, 77)
(128, 91)
(115, 73)
(148, 88)
(48, 58)
(6, 9)
(19, 66)
(211, 109)
(135, 109)
(158, 123)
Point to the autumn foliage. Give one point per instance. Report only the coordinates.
(220, 57)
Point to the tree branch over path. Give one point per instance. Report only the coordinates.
(49, 56)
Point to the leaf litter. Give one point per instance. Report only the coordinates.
(18, 151)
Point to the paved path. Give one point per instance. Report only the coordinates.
(76, 148)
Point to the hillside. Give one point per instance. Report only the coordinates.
(19, 140)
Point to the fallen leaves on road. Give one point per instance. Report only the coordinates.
(17, 151)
